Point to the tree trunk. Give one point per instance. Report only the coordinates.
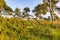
(52, 16)
(51, 10)
(0, 13)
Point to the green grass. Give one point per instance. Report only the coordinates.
(17, 29)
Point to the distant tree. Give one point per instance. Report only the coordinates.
(9, 10)
(17, 12)
(26, 10)
(38, 10)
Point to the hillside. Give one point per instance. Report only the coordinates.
(17, 29)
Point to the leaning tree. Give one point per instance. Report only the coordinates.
(51, 4)
(38, 10)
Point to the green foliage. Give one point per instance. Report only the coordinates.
(8, 9)
(38, 9)
(26, 9)
(17, 11)
(17, 29)
(2, 4)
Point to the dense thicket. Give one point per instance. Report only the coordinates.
(17, 29)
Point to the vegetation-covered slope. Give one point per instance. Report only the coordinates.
(17, 29)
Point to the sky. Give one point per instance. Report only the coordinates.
(25, 3)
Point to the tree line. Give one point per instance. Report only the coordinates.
(48, 5)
